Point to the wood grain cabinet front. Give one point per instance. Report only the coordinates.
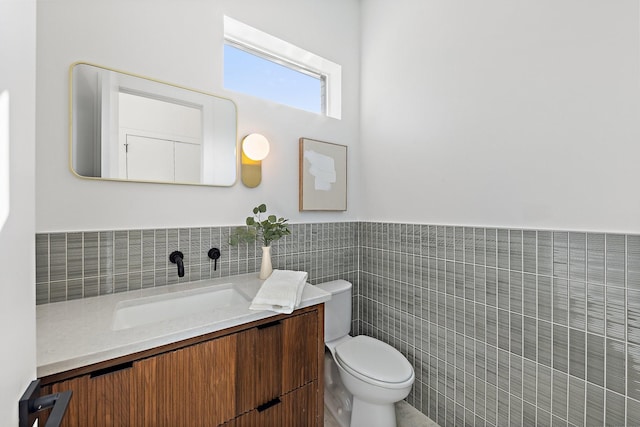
(276, 358)
(260, 374)
(194, 383)
(295, 409)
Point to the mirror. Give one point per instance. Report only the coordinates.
(130, 128)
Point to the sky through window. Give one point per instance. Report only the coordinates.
(254, 75)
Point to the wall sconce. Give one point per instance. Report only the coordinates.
(255, 148)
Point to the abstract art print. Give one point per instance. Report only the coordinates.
(323, 176)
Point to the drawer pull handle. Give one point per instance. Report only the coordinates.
(269, 404)
(268, 325)
(111, 369)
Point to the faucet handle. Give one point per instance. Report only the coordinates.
(173, 257)
(214, 254)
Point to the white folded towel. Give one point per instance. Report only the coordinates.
(281, 292)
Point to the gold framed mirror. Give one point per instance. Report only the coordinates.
(127, 127)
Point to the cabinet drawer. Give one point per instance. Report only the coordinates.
(276, 358)
(99, 400)
(194, 383)
(295, 409)
(300, 350)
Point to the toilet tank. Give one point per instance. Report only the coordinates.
(337, 311)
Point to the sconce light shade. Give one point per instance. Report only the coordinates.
(255, 148)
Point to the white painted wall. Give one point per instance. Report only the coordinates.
(17, 251)
(181, 42)
(502, 113)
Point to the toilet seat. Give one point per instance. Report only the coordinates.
(374, 361)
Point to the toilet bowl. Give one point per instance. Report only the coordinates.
(376, 374)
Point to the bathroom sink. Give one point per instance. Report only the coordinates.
(143, 311)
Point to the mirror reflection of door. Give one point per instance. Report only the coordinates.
(153, 159)
(159, 140)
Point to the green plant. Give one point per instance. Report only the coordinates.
(268, 230)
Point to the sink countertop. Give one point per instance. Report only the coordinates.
(72, 334)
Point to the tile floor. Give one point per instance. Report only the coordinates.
(407, 416)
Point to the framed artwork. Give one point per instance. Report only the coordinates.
(323, 176)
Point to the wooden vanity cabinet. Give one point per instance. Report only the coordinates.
(265, 373)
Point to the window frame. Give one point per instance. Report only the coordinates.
(256, 42)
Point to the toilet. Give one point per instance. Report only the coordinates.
(375, 374)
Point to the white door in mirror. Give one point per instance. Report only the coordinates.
(154, 159)
(4, 158)
(159, 140)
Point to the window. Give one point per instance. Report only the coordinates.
(251, 73)
(264, 66)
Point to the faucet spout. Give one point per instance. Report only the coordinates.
(177, 257)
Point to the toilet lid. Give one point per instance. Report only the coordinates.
(374, 359)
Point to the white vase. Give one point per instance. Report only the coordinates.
(265, 267)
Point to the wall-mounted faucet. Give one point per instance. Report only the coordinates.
(214, 254)
(176, 257)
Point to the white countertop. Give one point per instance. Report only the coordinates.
(72, 334)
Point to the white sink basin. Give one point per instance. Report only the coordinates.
(143, 311)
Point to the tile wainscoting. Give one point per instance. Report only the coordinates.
(85, 264)
(503, 326)
(508, 327)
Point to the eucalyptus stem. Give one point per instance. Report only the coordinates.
(268, 230)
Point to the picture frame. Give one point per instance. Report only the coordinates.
(323, 176)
